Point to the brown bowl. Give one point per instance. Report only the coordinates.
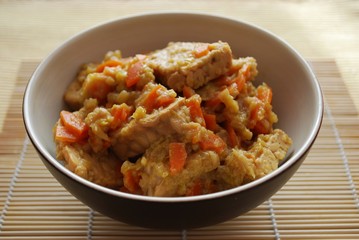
(297, 102)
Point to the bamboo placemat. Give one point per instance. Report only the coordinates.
(319, 202)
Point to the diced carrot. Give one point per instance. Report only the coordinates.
(195, 110)
(188, 92)
(201, 51)
(261, 127)
(134, 74)
(254, 113)
(264, 93)
(213, 102)
(233, 138)
(245, 71)
(63, 135)
(131, 180)
(196, 188)
(256, 121)
(108, 63)
(235, 84)
(233, 69)
(178, 156)
(156, 98)
(164, 97)
(163, 100)
(74, 125)
(224, 81)
(212, 142)
(211, 122)
(240, 81)
(121, 114)
(150, 102)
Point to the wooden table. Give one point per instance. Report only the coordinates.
(320, 202)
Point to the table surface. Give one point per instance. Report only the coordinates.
(324, 32)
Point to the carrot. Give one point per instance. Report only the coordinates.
(240, 81)
(188, 92)
(233, 69)
(108, 63)
(63, 135)
(237, 82)
(233, 90)
(262, 127)
(178, 156)
(131, 180)
(212, 142)
(73, 125)
(257, 121)
(164, 97)
(255, 113)
(121, 114)
(156, 98)
(201, 51)
(211, 122)
(195, 189)
(163, 100)
(213, 102)
(246, 71)
(233, 138)
(224, 81)
(134, 74)
(195, 110)
(264, 93)
(150, 102)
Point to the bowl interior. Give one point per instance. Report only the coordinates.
(296, 100)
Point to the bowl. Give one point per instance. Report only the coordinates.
(297, 102)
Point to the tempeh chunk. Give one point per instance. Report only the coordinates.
(190, 64)
(138, 135)
(263, 157)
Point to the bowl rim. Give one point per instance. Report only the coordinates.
(302, 151)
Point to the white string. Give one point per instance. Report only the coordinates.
(184, 234)
(272, 217)
(343, 155)
(13, 182)
(90, 224)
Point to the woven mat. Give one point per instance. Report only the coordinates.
(319, 202)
